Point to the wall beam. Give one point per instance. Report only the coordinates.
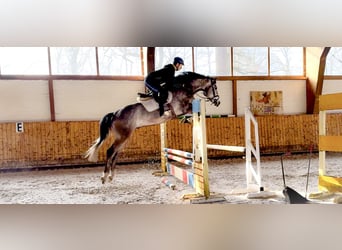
(320, 78)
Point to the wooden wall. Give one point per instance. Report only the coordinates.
(64, 143)
(60, 143)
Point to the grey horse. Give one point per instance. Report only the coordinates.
(124, 121)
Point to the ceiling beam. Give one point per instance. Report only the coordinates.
(320, 78)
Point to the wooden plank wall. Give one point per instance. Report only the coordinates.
(64, 143)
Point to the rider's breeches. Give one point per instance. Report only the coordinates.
(160, 94)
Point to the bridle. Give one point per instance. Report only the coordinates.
(215, 99)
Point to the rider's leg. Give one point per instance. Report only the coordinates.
(161, 108)
(159, 100)
(163, 94)
(160, 95)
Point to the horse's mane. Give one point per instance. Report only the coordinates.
(188, 76)
(184, 79)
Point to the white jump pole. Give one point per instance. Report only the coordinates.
(163, 144)
(251, 150)
(226, 148)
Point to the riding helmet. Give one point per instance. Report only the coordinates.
(178, 60)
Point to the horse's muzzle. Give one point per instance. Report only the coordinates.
(216, 101)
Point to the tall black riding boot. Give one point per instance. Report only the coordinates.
(161, 109)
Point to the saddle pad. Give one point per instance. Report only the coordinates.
(150, 104)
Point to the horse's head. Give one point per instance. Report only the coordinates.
(207, 87)
(211, 91)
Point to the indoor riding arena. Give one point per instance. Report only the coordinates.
(53, 99)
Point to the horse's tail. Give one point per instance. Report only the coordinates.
(105, 126)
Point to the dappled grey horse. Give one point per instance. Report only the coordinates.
(124, 121)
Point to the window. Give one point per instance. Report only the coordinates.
(24, 61)
(250, 61)
(132, 61)
(120, 61)
(334, 62)
(165, 55)
(285, 61)
(73, 61)
(214, 61)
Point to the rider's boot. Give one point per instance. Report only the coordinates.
(161, 109)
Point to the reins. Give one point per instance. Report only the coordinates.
(185, 84)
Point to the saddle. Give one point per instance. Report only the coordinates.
(144, 96)
(147, 100)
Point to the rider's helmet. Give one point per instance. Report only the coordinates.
(178, 60)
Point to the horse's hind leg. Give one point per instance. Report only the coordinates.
(108, 165)
(112, 156)
(112, 167)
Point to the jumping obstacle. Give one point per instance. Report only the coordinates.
(253, 173)
(251, 149)
(326, 142)
(168, 183)
(186, 176)
(197, 176)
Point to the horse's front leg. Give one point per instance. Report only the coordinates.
(187, 108)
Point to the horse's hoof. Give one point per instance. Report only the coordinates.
(110, 178)
(103, 180)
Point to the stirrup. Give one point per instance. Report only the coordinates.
(145, 95)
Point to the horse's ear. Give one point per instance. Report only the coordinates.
(213, 80)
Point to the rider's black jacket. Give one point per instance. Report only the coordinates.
(161, 78)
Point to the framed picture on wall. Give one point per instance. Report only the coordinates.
(266, 102)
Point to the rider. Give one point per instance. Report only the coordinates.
(160, 81)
